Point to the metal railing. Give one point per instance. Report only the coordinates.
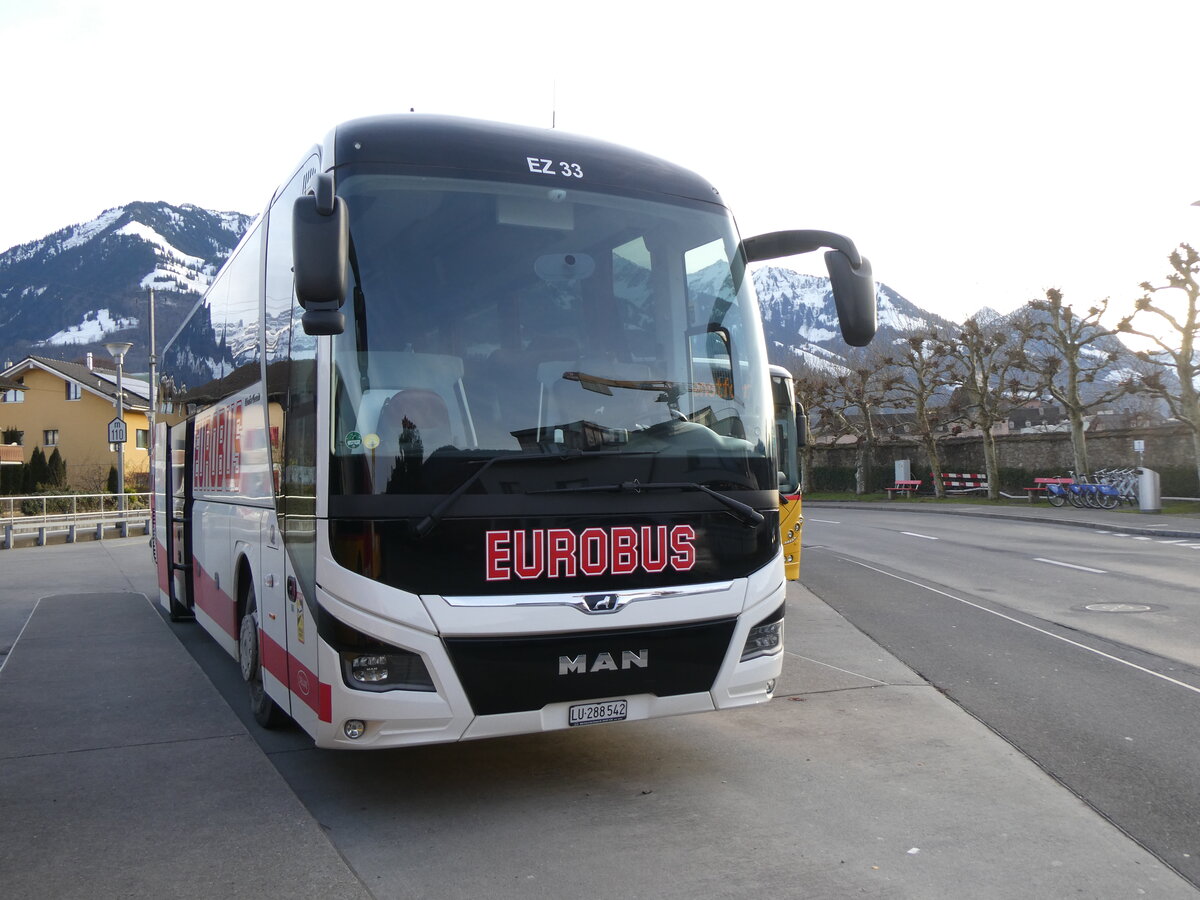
(44, 515)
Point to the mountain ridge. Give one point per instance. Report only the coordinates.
(87, 283)
(69, 292)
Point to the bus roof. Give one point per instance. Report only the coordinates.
(444, 144)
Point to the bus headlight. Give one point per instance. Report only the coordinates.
(385, 669)
(765, 638)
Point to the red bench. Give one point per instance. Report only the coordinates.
(907, 488)
(1040, 489)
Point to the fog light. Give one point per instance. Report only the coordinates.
(765, 638)
(354, 728)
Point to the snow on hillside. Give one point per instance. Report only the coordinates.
(891, 316)
(81, 234)
(93, 328)
(175, 270)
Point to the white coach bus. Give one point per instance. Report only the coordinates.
(474, 435)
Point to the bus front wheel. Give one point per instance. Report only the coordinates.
(266, 711)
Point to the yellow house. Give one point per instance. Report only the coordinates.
(68, 406)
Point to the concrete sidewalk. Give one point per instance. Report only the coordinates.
(122, 772)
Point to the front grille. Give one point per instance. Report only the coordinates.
(504, 675)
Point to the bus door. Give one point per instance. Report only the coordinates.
(273, 614)
(177, 488)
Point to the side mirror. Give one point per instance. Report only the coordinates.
(854, 297)
(320, 254)
(849, 275)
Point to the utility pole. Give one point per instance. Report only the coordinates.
(118, 349)
(153, 374)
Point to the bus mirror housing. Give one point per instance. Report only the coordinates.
(849, 274)
(854, 297)
(320, 253)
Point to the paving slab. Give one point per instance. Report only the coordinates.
(124, 774)
(135, 779)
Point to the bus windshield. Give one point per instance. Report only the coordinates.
(493, 318)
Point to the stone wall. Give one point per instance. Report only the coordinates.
(1048, 454)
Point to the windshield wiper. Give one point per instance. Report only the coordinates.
(744, 513)
(427, 524)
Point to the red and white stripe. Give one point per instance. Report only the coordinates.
(963, 479)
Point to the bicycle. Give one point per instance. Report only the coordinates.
(1057, 494)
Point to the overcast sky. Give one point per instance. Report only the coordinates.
(977, 153)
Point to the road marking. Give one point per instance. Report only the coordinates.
(822, 521)
(1055, 562)
(1175, 541)
(923, 536)
(20, 634)
(1057, 637)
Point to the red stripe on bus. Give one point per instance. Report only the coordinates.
(325, 713)
(164, 578)
(301, 680)
(217, 605)
(274, 656)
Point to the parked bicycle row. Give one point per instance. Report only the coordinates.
(1103, 489)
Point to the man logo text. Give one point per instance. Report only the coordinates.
(603, 662)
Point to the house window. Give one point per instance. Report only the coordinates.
(74, 390)
(50, 437)
(14, 396)
(143, 438)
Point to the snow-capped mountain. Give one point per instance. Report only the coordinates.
(83, 285)
(800, 319)
(75, 289)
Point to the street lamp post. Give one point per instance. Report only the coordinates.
(118, 349)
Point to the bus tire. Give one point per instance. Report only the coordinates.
(266, 711)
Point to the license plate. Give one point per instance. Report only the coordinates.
(595, 713)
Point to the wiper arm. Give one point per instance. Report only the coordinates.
(743, 512)
(426, 525)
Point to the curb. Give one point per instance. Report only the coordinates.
(1005, 513)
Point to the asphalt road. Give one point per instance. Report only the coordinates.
(1080, 648)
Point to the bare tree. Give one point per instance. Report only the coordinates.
(924, 370)
(992, 385)
(851, 406)
(1074, 357)
(1177, 352)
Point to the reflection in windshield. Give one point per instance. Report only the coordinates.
(497, 319)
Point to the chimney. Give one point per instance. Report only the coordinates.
(89, 361)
